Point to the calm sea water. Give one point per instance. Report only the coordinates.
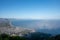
(48, 26)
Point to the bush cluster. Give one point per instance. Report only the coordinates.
(33, 36)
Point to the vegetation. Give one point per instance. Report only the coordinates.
(8, 37)
(33, 36)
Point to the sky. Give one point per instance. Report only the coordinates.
(30, 9)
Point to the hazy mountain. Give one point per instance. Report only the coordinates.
(8, 28)
(5, 22)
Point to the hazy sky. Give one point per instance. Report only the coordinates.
(30, 9)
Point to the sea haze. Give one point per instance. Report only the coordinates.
(46, 26)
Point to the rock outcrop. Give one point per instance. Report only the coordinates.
(5, 23)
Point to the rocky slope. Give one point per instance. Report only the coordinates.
(8, 28)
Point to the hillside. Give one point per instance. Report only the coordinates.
(6, 27)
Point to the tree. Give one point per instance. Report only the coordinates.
(4, 37)
(57, 37)
(17, 38)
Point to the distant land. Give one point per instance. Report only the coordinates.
(7, 28)
(45, 26)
